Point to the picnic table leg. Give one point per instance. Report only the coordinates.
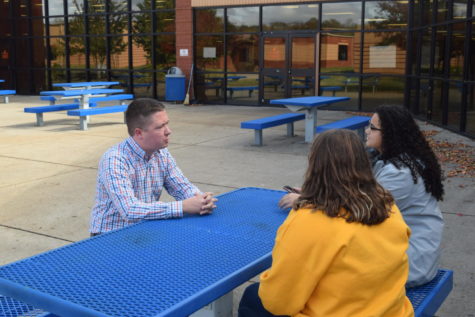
(85, 105)
(83, 122)
(310, 123)
(290, 129)
(39, 120)
(258, 137)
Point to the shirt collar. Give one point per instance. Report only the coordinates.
(138, 150)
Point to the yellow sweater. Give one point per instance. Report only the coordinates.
(324, 266)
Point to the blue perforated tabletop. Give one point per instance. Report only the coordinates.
(154, 268)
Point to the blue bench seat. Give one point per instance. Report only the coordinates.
(83, 113)
(6, 93)
(10, 307)
(263, 123)
(426, 299)
(121, 97)
(353, 123)
(51, 108)
(241, 88)
(333, 89)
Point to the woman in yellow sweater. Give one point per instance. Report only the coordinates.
(342, 249)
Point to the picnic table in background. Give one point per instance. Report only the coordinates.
(309, 105)
(86, 85)
(83, 95)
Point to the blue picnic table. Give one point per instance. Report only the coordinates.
(86, 85)
(83, 95)
(154, 268)
(309, 105)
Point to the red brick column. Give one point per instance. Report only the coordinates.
(184, 35)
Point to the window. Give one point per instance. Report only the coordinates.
(342, 52)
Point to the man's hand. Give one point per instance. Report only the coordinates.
(288, 200)
(199, 204)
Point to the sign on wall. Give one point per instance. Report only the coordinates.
(382, 56)
(209, 52)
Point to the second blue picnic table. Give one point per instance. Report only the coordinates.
(310, 105)
(86, 85)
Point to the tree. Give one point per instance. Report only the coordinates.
(96, 29)
(142, 25)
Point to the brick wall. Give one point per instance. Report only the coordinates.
(184, 35)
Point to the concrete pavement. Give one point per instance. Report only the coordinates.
(48, 176)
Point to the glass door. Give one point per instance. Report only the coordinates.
(288, 66)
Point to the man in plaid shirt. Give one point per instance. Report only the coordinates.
(133, 173)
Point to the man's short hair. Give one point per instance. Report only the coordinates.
(139, 111)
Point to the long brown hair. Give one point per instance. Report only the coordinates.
(340, 183)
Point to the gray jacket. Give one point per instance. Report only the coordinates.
(421, 213)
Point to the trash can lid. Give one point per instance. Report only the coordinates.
(175, 71)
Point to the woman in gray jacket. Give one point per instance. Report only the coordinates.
(408, 168)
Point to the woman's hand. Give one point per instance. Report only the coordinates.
(288, 200)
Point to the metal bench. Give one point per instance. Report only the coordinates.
(93, 101)
(6, 93)
(121, 97)
(249, 88)
(263, 123)
(426, 299)
(13, 308)
(83, 113)
(333, 89)
(51, 108)
(353, 123)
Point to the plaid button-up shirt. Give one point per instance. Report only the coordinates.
(129, 187)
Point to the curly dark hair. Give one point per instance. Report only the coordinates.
(403, 144)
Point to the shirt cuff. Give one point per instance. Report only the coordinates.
(176, 209)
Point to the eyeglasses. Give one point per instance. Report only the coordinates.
(373, 128)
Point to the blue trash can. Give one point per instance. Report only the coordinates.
(174, 85)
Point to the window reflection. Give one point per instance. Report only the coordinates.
(209, 20)
(96, 6)
(74, 7)
(460, 9)
(209, 52)
(455, 102)
(377, 90)
(442, 10)
(386, 15)
(243, 53)
(165, 21)
(470, 109)
(384, 52)
(425, 51)
(290, 17)
(141, 5)
(118, 23)
(274, 52)
(142, 23)
(457, 50)
(339, 52)
(441, 37)
(57, 52)
(55, 7)
(141, 53)
(38, 26)
(243, 19)
(341, 16)
(303, 53)
(165, 51)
